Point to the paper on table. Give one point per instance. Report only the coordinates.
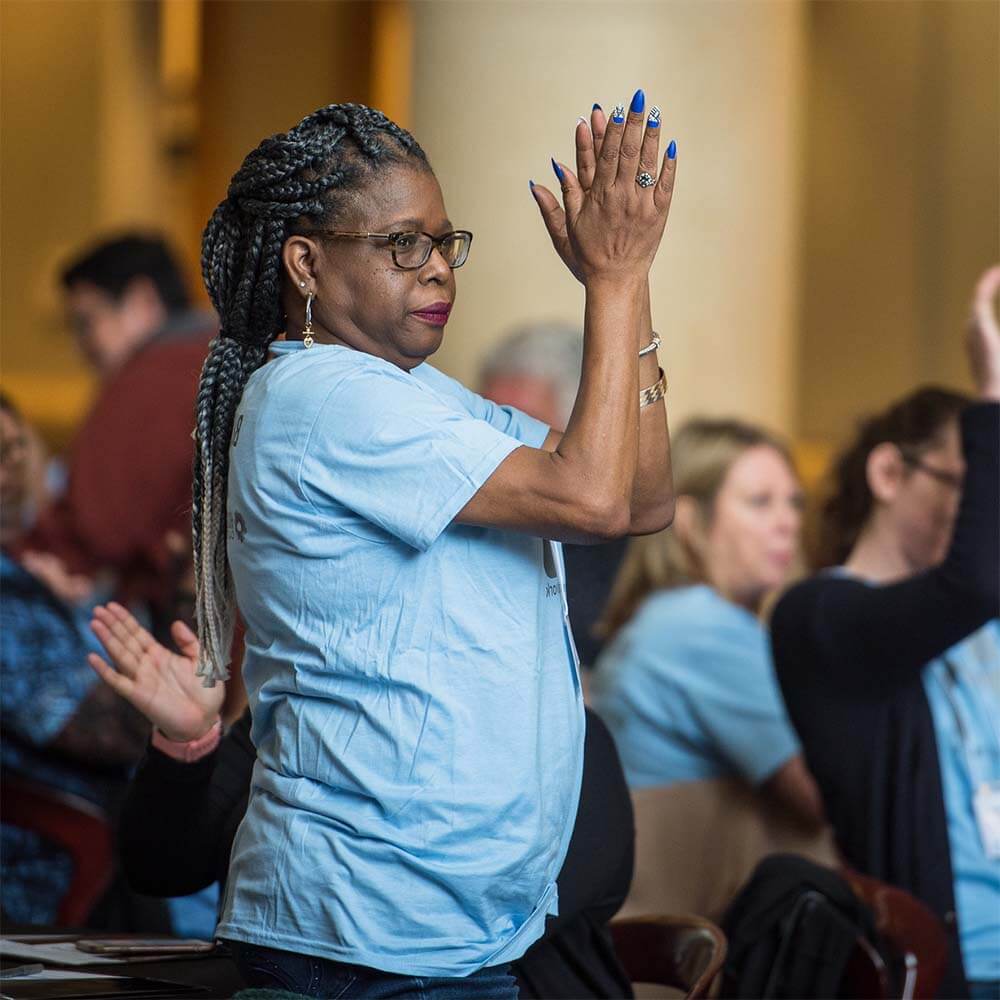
(55, 975)
(57, 953)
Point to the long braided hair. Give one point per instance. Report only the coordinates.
(292, 179)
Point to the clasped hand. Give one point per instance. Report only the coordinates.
(609, 226)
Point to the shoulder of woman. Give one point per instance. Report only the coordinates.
(695, 622)
(309, 380)
(693, 605)
(804, 611)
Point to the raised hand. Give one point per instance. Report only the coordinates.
(984, 336)
(159, 683)
(632, 150)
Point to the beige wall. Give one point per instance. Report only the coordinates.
(497, 89)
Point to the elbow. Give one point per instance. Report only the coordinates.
(652, 518)
(603, 519)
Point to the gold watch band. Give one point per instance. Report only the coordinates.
(653, 393)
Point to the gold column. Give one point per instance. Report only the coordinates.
(497, 89)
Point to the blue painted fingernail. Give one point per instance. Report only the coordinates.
(531, 186)
(672, 150)
(653, 121)
(597, 107)
(638, 103)
(558, 170)
(618, 114)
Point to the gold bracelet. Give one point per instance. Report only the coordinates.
(654, 393)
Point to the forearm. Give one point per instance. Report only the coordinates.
(652, 492)
(179, 819)
(795, 788)
(599, 449)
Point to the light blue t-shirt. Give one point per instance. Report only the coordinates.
(963, 688)
(416, 704)
(687, 687)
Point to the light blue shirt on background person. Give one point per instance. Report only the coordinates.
(963, 688)
(416, 705)
(687, 687)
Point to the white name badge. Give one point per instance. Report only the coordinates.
(987, 806)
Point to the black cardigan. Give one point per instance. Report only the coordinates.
(849, 658)
(179, 821)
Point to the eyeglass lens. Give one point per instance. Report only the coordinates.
(414, 249)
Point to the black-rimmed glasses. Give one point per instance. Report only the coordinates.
(413, 250)
(951, 479)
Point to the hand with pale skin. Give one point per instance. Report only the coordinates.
(73, 588)
(589, 142)
(161, 684)
(983, 339)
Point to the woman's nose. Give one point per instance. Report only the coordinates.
(789, 521)
(436, 268)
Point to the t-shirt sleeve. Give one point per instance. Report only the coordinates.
(386, 447)
(738, 704)
(506, 419)
(512, 421)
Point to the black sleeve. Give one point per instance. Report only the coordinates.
(105, 730)
(879, 636)
(597, 871)
(178, 820)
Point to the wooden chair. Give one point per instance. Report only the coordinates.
(917, 938)
(684, 952)
(76, 826)
(866, 976)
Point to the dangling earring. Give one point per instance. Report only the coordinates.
(307, 333)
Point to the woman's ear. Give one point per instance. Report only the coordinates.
(884, 470)
(299, 259)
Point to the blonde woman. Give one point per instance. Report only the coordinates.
(687, 686)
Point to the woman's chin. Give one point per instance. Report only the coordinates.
(421, 344)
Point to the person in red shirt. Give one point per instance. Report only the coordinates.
(129, 468)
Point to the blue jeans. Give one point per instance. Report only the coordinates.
(310, 976)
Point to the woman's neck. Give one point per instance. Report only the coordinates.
(877, 558)
(750, 600)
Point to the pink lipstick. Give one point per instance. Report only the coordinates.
(436, 314)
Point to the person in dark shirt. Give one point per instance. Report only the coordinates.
(191, 790)
(890, 662)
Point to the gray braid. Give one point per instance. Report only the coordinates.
(292, 178)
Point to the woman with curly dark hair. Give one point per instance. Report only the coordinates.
(890, 662)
